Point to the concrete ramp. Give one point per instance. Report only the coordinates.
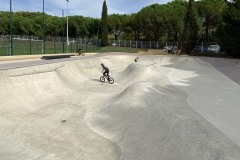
(161, 107)
(150, 122)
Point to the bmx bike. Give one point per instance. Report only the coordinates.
(80, 53)
(107, 78)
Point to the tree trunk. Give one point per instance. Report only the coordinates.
(207, 29)
(176, 36)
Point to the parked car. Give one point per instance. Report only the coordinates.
(171, 49)
(123, 45)
(200, 49)
(214, 48)
(166, 48)
(113, 44)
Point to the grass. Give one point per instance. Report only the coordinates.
(23, 48)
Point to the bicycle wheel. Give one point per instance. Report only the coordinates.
(102, 79)
(111, 80)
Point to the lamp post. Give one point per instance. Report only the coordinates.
(67, 27)
(43, 31)
(63, 29)
(11, 40)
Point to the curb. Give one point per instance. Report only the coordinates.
(39, 56)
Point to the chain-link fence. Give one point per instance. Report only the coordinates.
(144, 44)
(200, 46)
(27, 45)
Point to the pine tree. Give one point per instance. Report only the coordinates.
(228, 32)
(191, 28)
(104, 30)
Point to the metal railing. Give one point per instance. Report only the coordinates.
(156, 44)
(143, 44)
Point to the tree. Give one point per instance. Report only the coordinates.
(80, 29)
(228, 32)
(37, 25)
(104, 31)
(116, 24)
(175, 21)
(96, 27)
(211, 13)
(4, 21)
(154, 19)
(191, 28)
(135, 22)
(26, 27)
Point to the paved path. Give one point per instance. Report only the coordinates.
(25, 61)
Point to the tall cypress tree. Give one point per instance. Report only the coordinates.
(104, 30)
(191, 28)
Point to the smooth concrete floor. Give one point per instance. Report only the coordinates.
(159, 108)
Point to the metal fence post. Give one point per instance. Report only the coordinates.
(54, 45)
(30, 46)
(86, 44)
(77, 44)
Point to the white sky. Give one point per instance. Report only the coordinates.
(86, 8)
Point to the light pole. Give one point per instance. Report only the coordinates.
(67, 26)
(11, 40)
(63, 29)
(43, 31)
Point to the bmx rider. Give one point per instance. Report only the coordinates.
(105, 70)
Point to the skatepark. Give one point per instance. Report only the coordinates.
(163, 107)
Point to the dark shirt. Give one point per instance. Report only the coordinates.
(105, 68)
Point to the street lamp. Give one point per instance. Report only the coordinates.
(67, 26)
(43, 32)
(63, 29)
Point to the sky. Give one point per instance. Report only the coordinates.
(86, 8)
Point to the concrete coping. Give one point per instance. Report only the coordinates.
(37, 56)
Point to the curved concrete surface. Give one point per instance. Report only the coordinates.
(162, 107)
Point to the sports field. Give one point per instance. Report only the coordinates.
(31, 47)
